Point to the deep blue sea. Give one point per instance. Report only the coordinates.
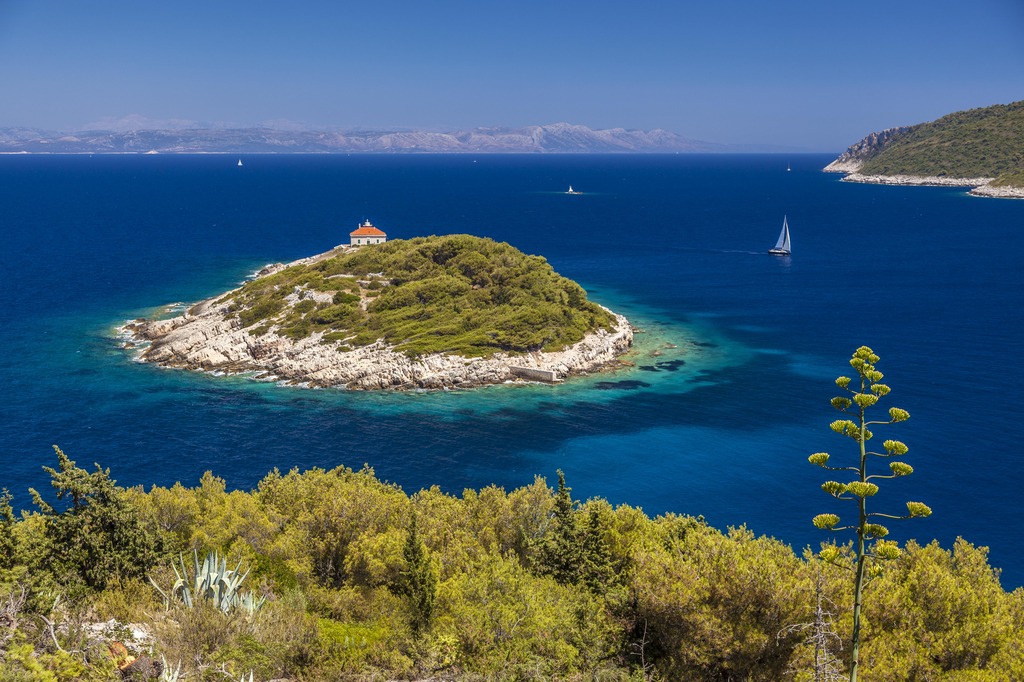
(720, 423)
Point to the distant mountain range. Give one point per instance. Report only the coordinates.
(555, 138)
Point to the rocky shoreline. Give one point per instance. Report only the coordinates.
(1000, 192)
(207, 338)
(980, 187)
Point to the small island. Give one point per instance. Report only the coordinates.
(436, 312)
(980, 148)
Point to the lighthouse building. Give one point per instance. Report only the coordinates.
(367, 234)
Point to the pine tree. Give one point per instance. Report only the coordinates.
(99, 537)
(561, 554)
(597, 570)
(418, 580)
(574, 550)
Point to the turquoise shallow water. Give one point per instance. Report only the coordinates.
(720, 425)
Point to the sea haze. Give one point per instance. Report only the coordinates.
(734, 370)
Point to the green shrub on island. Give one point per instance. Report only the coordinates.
(455, 294)
(363, 581)
(986, 142)
(1009, 180)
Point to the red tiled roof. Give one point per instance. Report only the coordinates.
(367, 231)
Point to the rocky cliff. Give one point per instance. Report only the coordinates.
(856, 155)
(207, 339)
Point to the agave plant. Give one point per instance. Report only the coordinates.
(213, 581)
(169, 674)
(250, 603)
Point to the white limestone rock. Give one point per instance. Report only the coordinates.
(998, 192)
(207, 338)
(917, 180)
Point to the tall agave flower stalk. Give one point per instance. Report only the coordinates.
(212, 581)
(863, 393)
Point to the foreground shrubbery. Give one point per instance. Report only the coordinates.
(363, 581)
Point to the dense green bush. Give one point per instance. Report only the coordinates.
(1009, 179)
(458, 294)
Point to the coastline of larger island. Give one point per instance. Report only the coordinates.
(980, 187)
(979, 148)
(316, 322)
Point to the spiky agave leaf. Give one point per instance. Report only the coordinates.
(181, 587)
(211, 580)
(169, 674)
(163, 595)
(250, 603)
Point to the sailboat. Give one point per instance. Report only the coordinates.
(239, 162)
(782, 247)
(572, 191)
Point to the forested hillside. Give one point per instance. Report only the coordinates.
(985, 142)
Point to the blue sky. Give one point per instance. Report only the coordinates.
(814, 74)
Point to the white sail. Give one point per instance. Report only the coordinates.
(783, 246)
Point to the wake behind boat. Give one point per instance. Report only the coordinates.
(782, 247)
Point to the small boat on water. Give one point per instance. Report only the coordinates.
(782, 247)
(239, 162)
(572, 191)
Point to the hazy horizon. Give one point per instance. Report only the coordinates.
(795, 74)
